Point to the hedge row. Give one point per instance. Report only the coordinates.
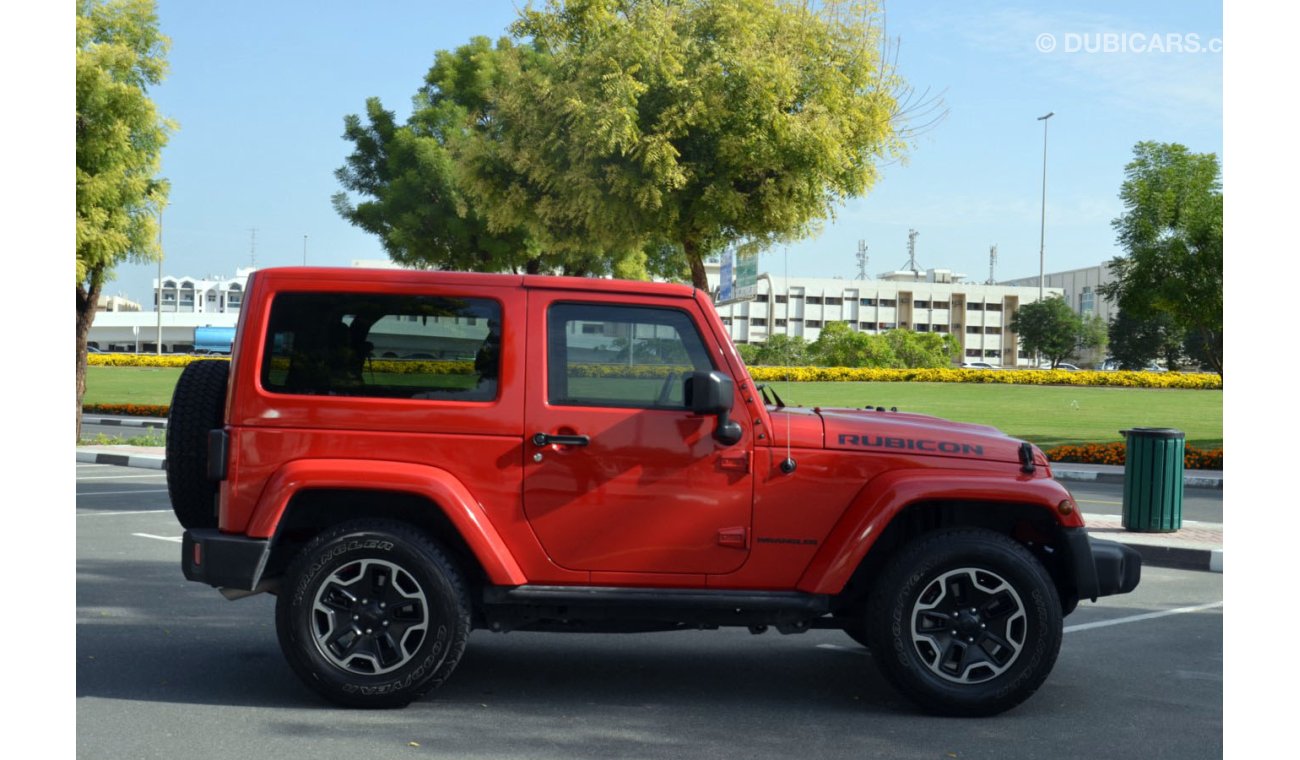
(1194, 381)
(1113, 453)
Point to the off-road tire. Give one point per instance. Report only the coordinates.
(1005, 629)
(335, 630)
(198, 405)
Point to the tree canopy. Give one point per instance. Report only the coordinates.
(1051, 329)
(120, 136)
(1172, 233)
(632, 137)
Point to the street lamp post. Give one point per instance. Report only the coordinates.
(1042, 229)
(158, 308)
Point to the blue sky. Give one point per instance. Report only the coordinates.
(260, 91)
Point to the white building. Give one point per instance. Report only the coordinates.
(936, 300)
(210, 295)
(1079, 287)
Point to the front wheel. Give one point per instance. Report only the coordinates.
(375, 615)
(965, 622)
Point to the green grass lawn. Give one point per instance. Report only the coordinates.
(1047, 415)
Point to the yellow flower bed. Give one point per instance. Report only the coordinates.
(1006, 376)
(1195, 381)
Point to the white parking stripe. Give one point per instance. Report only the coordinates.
(118, 493)
(135, 512)
(1081, 626)
(1145, 616)
(175, 540)
(123, 477)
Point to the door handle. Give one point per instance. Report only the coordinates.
(542, 439)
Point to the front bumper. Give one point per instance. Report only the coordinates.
(1102, 568)
(224, 560)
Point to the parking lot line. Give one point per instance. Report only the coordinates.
(128, 512)
(122, 477)
(175, 540)
(1144, 616)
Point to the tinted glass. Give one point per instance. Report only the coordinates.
(621, 356)
(350, 344)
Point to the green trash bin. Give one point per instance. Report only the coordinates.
(1153, 479)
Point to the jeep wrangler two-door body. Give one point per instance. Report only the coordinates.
(403, 456)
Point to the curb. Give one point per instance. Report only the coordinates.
(143, 422)
(1190, 480)
(122, 460)
(1177, 557)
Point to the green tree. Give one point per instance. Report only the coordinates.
(1172, 233)
(684, 126)
(1049, 328)
(1136, 343)
(782, 350)
(839, 345)
(120, 136)
(916, 350)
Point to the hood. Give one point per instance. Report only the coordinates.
(898, 432)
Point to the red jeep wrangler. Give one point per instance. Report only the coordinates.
(405, 456)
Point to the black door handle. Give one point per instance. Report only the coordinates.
(542, 439)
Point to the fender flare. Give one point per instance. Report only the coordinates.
(437, 485)
(885, 496)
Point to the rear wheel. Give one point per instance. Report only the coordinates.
(198, 405)
(965, 622)
(375, 615)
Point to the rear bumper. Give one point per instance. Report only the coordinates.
(223, 560)
(1102, 568)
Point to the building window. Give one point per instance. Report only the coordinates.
(922, 328)
(780, 323)
(887, 325)
(940, 304)
(972, 329)
(834, 301)
(1087, 301)
(867, 301)
(864, 326)
(780, 299)
(888, 302)
(941, 328)
(992, 330)
(993, 307)
(991, 353)
(973, 353)
(922, 304)
(814, 299)
(757, 321)
(813, 323)
(760, 298)
(974, 306)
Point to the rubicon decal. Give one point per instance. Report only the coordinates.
(910, 444)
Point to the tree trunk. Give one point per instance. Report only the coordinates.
(87, 302)
(699, 278)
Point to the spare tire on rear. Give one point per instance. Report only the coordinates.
(198, 405)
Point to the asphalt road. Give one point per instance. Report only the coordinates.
(168, 668)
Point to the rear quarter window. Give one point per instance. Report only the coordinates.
(384, 346)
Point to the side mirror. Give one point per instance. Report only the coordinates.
(712, 393)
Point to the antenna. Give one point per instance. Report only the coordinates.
(862, 260)
(993, 261)
(911, 252)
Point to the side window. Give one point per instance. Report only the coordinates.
(355, 344)
(621, 356)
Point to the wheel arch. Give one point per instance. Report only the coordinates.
(308, 496)
(899, 507)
